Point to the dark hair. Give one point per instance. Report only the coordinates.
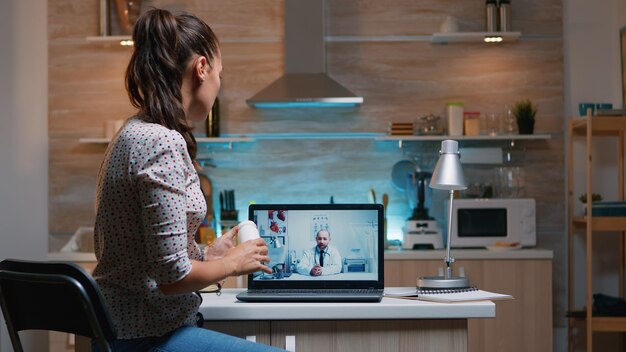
(164, 44)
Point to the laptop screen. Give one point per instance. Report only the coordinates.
(320, 245)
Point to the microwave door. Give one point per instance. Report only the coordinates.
(480, 227)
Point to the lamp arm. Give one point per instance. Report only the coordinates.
(449, 260)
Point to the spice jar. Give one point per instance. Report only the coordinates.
(471, 122)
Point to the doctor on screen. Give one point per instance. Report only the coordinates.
(322, 259)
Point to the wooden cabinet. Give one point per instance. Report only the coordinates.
(522, 324)
(587, 128)
(352, 335)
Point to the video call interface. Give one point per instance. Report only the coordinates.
(319, 244)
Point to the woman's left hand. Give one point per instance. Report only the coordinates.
(222, 244)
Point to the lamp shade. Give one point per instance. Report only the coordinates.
(448, 173)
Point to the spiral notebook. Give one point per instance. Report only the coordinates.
(449, 296)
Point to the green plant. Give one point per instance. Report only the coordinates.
(524, 110)
(594, 197)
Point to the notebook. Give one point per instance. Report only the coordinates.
(346, 265)
(445, 295)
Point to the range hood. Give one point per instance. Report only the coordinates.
(305, 82)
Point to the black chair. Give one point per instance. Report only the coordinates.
(53, 296)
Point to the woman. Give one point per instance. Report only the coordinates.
(148, 199)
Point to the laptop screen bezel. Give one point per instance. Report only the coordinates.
(325, 284)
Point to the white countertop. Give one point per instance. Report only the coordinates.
(468, 254)
(227, 307)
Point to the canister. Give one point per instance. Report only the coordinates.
(491, 16)
(472, 123)
(455, 118)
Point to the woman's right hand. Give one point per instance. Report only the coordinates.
(246, 258)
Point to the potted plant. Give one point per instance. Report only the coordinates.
(525, 111)
(595, 197)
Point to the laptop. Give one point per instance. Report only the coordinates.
(319, 253)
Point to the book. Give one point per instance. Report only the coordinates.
(445, 295)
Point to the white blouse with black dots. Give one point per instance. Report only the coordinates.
(148, 208)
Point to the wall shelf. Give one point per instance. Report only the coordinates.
(102, 140)
(107, 38)
(376, 136)
(116, 39)
(503, 137)
(314, 135)
(439, 38)
(473, 37)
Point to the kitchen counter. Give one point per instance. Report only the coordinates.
(227, 307)
(391, 325)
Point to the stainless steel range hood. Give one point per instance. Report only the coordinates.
(305, 82)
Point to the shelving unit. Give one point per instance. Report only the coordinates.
(589, 127)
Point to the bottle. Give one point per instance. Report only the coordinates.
(491, 16)
(213, 120)
(505, 15)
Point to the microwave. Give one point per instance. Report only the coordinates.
(483, 222)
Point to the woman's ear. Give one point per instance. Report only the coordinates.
(201, 68)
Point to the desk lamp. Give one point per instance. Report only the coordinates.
(448, 175)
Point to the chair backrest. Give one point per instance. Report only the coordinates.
(54, 296)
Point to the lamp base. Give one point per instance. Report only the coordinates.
(441, 282)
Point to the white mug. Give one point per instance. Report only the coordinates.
(247, 231)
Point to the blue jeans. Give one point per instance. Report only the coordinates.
(187, 339)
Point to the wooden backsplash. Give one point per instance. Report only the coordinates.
(400, 80)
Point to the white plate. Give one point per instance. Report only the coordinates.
(504, 248)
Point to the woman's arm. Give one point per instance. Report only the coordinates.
(244, 259)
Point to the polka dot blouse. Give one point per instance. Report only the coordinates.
(148, 208)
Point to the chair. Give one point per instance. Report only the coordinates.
(53, 296)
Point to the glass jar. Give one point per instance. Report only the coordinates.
(428, 125)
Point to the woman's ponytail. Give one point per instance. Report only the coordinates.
(164, 44)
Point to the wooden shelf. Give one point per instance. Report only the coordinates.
(604, 323)
(608, 324)
(474, 37)
(601, 125)
(602, 223)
